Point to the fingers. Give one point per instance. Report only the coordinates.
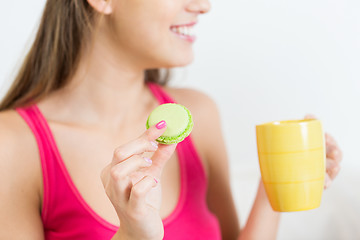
(328, 181)
(333, 159)
(332, 149)
(333, 156)
(135, 147)
(121, 174)
(160, 158)
(145, 143)
(155, 131)
(129, 166)
(139, 192)
(123, 178)
(332, 170)
(310, 116)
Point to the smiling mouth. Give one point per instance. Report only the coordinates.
(183, 30)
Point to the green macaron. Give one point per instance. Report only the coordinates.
(178, 121)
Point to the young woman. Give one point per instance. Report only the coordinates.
(75, 159)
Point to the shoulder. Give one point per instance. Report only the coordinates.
(20, 177)
(207, 122)
(19, 159)
(15, 133)
(203, 107)
(198, 102)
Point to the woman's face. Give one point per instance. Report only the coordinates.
(156, 33)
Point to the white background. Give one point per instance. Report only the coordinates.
(262, 61)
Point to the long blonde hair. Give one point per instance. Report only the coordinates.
(54, 54)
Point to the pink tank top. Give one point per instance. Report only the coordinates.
(66, 215)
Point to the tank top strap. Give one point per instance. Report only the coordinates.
(35, 121)
(160, 94)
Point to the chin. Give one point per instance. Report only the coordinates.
(172, 61)
(180, 62)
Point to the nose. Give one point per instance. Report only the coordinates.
(199, 6)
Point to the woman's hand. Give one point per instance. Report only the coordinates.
(333, 157)
(132, 183)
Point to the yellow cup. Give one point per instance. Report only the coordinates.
(292, 163)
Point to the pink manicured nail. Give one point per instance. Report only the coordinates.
(148, 160)
(155, 145)
(161, 125)
(156, 180)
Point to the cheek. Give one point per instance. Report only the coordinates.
(148, 20)
(144, 29)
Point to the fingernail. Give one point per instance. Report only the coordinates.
(161, 125)
(155, 145)
(328, 184)
(148, 160)
(335, 152)
(156, 180)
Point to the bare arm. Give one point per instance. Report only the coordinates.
(263, 221)
(19, 195)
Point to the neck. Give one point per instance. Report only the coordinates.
(106, 88)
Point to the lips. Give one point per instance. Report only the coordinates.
(184, 25)
(184, 31)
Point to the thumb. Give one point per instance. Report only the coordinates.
(160, 158)
(155, 131)
(310, 116)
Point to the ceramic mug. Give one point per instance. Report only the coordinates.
(292, 163)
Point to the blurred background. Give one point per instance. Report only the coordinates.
(261, 61)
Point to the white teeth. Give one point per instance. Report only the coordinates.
(190, 31)
(184, 30)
